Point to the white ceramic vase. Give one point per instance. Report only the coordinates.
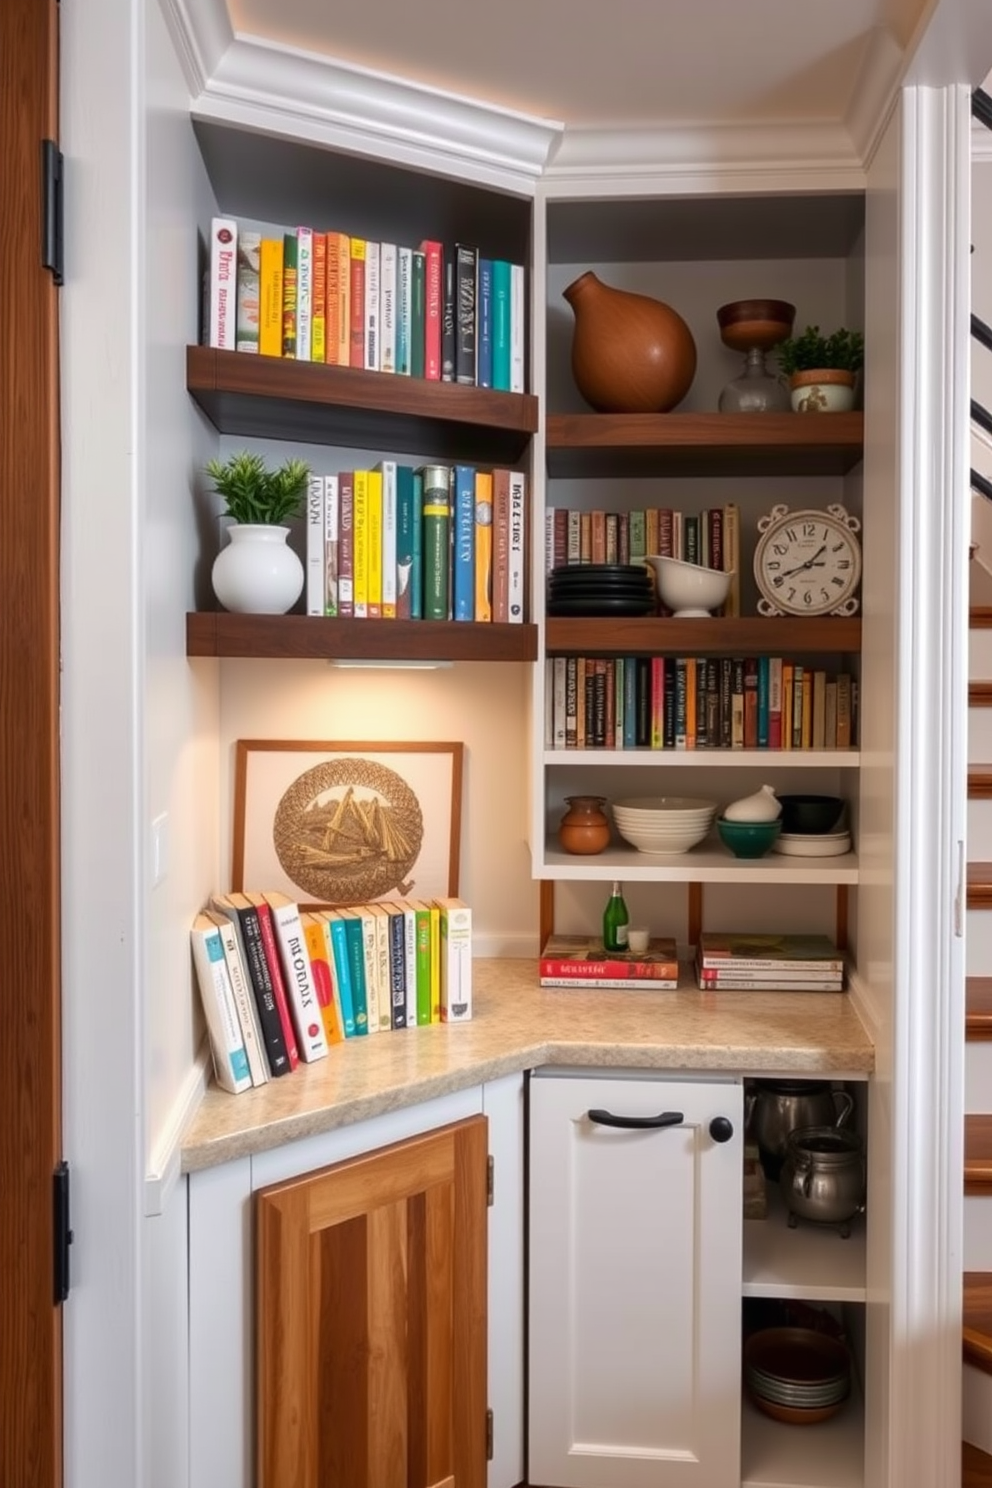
(256, 573)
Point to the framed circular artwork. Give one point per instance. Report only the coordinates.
(338, 824)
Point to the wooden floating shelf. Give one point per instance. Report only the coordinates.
(289, 637)
(747, 636)
(732, 444)
(274, 398)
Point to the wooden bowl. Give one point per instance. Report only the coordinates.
(759, 323)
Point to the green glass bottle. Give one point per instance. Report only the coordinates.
(615, 921)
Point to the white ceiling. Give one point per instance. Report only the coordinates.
(627, 63)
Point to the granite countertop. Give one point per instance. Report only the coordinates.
(520, 1025)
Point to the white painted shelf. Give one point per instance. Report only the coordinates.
(808, 759)
(830, 1454)
(809, 1262)
(708, 863)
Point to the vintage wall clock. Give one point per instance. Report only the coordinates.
(808, 562)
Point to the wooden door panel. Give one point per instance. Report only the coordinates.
(371, 1310)
(30, 1060)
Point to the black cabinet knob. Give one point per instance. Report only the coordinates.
(721, 1129)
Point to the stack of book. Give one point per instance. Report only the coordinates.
(448, 314)
(442, 542)
(769, 963)
(279, 985)
(582, 961)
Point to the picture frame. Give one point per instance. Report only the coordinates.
(334, 823)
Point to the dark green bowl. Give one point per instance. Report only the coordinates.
(748, 839)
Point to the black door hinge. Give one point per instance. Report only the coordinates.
(490, 1433)
(51, 209)
(63, 1234)
(490, 1180)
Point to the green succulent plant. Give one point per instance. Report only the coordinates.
(844, 351)
(254, 493)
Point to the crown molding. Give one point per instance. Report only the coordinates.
(281, 90)
(874, 92)
(202, 33)
(704, 158)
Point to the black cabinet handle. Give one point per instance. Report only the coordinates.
(637, 1123)
(721, 1129)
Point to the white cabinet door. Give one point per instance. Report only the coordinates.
(635, 1284)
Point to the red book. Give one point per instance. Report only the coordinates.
(579, 960)
(433, 309)
(346, 544)
(275, 972)
(501, 545)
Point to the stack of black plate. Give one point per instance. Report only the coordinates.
(600, 589)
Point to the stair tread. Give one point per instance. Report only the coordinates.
(980, 617)
(979, 885)
(978, 776)
(976, 1467)
(976, 1331)
(978, 1007)
(980, 694)
(978, 1154)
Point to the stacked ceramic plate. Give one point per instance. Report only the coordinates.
(663, 824)
(796, 1374)
(812, 844)
(600, 589)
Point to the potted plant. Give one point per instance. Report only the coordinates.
(822, 370)
(257, 573)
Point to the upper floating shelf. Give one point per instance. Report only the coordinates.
(301, 637)
(275, 398)
(741, 444)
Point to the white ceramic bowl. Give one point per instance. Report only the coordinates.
(669, 842)
(663, 824)
(688, 589)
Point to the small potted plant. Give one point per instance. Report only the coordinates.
(257, 573)
(822, 370)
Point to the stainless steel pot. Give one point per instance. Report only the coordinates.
(823, 1176)
(778, 1107)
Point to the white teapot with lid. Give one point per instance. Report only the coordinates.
(763, 806)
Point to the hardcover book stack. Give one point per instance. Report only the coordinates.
(690, 702)
(583, 962)
(769, 963)
(710, 538)
(436, 543)
(446, 313)
(280, 985)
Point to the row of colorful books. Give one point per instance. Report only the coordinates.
(711, 538)
(446, 314)
(689, 702)
(280, 985)
(398, 543)
(723, 962)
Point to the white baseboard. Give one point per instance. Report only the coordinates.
(163, 1168)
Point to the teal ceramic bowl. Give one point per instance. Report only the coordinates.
(748, 839)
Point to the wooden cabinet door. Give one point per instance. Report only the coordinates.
(635, 1284)
(371, 1319)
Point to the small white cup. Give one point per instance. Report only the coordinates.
(637, 941)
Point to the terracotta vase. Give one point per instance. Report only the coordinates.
(630, 354)
(585, 827)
